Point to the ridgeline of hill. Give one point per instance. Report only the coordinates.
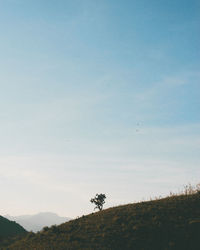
(8, 230)
(165, 224)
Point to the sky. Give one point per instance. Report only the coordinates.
(97, 96)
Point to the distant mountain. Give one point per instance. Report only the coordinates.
(38, 221)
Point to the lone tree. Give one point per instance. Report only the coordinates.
(99, 201)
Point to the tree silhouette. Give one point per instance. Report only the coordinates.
(99, 201)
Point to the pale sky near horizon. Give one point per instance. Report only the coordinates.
(97, 97)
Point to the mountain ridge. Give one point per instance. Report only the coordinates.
(37, 221)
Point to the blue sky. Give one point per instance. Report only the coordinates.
(97, 96)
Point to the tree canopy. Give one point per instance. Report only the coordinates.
(99, 201)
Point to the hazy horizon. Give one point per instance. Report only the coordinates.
(97, 97)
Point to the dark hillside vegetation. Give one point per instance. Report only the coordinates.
(9, 230)
(165, 224)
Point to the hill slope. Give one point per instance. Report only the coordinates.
(8, 230)
(170, 223)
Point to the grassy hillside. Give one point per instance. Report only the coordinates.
(8, 230)
(169, 223)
